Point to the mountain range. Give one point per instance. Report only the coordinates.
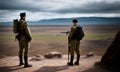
(83, 20)
(68, 21)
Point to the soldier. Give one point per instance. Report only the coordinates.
(24, 37)
(76, 34)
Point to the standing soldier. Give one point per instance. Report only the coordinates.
(24, 37)
(76, 34)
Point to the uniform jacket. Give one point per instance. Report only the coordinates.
(24, 31)
(72, 31)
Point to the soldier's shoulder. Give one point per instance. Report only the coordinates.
(79, 27)
(22, 21)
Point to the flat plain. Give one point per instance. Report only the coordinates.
(50, 38)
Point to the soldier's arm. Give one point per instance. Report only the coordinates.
(71, 33)
(27, 31)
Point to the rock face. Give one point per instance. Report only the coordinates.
(53, 55)
(112, 56)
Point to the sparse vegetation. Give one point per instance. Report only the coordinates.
(46, 39)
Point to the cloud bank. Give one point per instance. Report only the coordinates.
(45, 9)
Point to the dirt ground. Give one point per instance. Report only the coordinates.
(49, 38)
(10, 64)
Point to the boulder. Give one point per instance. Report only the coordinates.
(37, 58)
(90, 54)
(53, 55)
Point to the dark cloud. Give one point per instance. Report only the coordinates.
(19, 5)
(37, 9)
(37, 5)
(104, 6)
(93, 7)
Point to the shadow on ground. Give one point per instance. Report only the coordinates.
(52, 68)
(98, 67)
(10, 68)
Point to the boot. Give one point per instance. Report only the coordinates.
(26, 62)
(21, 61)
(77, 61)
(71, 61)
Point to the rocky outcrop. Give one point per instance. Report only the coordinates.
(112, 56)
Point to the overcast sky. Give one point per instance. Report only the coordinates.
(47, 9)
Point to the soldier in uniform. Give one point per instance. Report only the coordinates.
(24, 37)
(74, 44)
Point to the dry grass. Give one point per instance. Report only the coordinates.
(46, 39)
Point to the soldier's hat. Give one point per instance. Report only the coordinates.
(75, 21)
(22, 14)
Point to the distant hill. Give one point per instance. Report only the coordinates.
(68, 21)
(83, 20)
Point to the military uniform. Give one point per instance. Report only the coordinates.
(74, 45)
(24, 37)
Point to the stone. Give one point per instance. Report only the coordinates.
(37, 58)
(53, 55)
(90, 54)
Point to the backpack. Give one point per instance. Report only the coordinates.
(15, 26)
(79, 33)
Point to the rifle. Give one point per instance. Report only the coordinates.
(67, 32)
(68, 48)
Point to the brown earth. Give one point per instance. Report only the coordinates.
(43, 45)
(10, 64)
